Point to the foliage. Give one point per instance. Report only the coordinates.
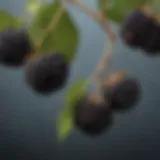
(8, 20)
(52, 30)
(32, 6)
(63, 39)
(65, 120)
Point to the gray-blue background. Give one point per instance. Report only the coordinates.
(27, 121)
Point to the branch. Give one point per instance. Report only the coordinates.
(105, 60)
(96, 15)
(103, 66)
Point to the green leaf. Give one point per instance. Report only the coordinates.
(32, 7)
(156, 6)
(64, 125)
(65, 121)
(63, 39)
(75, 91)
(117, 10)
(7, 20)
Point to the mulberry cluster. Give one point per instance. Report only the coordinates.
(121, 93)
(141, 31)
(47, 73)
(44, 74)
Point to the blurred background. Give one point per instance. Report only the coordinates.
(27, 121)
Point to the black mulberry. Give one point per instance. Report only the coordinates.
(15, 45)
(152, 44)
(136, 28)
(92, 117)
(123, 95)
(47, 73)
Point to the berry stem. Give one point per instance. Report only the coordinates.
(103, 65)
(96, 15)
(146, 8)
(150, 8)
(97, 75)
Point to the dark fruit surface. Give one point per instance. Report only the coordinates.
(15, 45)
(47, 73)
(152, 44)
(92, 117)
(136, 28)
(123, 95)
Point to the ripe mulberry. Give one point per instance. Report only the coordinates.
(15, 45)
(123, 94)
(92, 116)
(47, 73)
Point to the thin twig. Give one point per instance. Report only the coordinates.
(105, 60)
(102, 66)
(96, 15)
